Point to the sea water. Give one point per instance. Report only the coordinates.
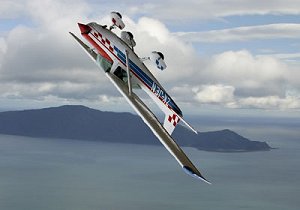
(38, 173)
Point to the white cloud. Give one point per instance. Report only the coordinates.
(271, 31)
(285, 55)
(290, 58)
(57, 17)
(182, 11)
(3, 48)
(270, 102)
(49, 66)
(238, 79)
(44, 61)
(224, 96)
(250, 75)
(151, 34)
(11, 9)
(214, 94)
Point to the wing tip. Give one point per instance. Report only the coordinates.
(194, 174)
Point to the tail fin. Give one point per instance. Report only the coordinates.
(170, 122)
(172, 119)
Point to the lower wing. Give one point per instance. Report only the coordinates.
(150, 119)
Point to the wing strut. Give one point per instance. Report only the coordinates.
(128, 73)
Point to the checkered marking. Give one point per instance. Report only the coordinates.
(104, 41)
(173, 119)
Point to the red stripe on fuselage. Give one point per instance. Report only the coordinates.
(97, 46)
(99, 49)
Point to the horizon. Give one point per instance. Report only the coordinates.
(188, 115)
(210, 115)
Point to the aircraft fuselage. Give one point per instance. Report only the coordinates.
(113, 49)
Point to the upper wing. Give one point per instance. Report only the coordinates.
(149, 118)
(159, 131)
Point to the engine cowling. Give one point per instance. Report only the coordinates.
(127, 37)
(158, 59)
(116, 18)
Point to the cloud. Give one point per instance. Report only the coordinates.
(270, 102)
(214, 94)
(151, 34)
(290, 58)
(250, 75)
(11, 9)
(238, 79)
(224, 96)
(202, 10)
(3, 48)
(41, 62)
(246, 33)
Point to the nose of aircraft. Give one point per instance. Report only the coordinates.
(85, 29)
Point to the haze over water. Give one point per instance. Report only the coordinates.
(71, 174)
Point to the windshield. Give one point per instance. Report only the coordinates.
(103, 63)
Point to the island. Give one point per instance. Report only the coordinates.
(83, 123)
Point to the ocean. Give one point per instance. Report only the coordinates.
(38, 173)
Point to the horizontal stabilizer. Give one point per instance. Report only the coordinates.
(188, 125)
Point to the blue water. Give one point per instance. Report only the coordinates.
(72, 174)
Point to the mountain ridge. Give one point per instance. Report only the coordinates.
(80, 122)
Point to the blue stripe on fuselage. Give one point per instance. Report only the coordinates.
(155, 88)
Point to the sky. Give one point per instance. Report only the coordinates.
(224, 57)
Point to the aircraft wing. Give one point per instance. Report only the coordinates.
(150, 119)
(86, 48)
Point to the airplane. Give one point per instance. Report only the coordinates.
(126, 70)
